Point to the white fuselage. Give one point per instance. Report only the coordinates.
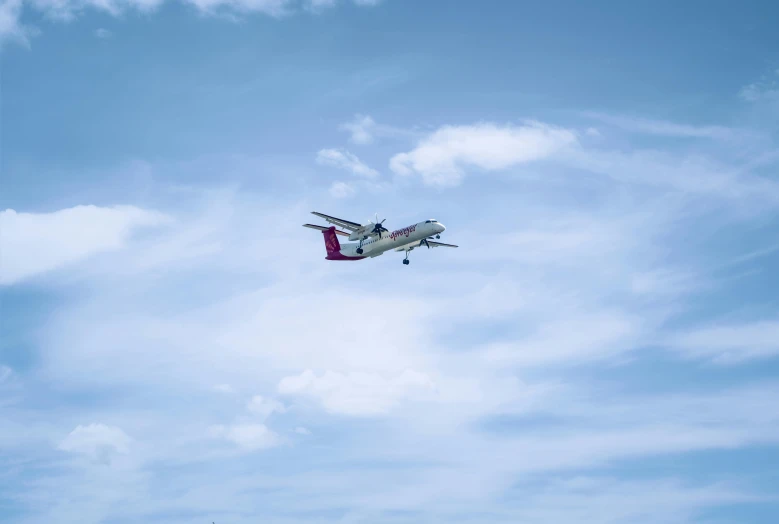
(407, 236)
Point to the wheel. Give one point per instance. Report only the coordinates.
(359, 251)
(405, 261)
(438, 236)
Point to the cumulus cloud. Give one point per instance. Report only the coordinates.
(249, 437)
(345, 160)
(442, 158)
(358, 394)
(97, 441)
(34, 243)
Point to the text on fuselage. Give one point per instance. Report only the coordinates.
(405, 231)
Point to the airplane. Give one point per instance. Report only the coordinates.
(374, 239)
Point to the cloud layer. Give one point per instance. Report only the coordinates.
(36, 243)
(11, 11)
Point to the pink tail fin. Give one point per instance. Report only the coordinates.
(331, 241)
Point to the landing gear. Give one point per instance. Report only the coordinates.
(438, 236)
(405, 260)
(359, 248)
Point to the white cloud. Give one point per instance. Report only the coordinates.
(358, 394)
(730, 344)
(662, 127)
(443, 157)
(361, 129)
(249, 437)
(300, 430)
(103, 33)
(264, 407)
(275, 8)
(5, 373)
(224, 388)
(345, 160)
(34, 243)
(11, 28)
(98, 441)
(341, 190)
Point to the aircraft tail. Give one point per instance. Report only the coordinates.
(331, 241)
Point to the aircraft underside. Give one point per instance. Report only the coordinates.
(375, 239)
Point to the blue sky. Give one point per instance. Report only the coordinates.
(603, 346)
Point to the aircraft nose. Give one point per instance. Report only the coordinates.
(441, 227)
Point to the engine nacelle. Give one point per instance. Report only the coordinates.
(357, 235)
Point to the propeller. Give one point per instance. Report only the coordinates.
(377, 226)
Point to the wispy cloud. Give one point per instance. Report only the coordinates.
(249, 437)
(342, 190)
(661, 127)
(35, 243)
(345, 160)
(730, 343)
(764, 91)
(103, 33)
(11, 28)
(356, 393)
(361, 129)
(264, 407)
(98, 441)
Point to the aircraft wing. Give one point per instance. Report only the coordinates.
(421, 243)
(346, 224)
(439, 244)
(322, 228)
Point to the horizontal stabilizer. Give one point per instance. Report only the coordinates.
(340, 222)
(322, 228)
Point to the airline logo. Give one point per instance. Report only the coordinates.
(331, 242)
(405, 231)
